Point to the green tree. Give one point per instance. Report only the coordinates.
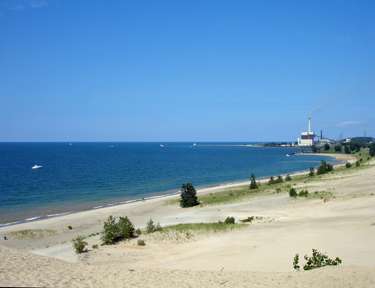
(110, 231)
(338, 148)
(347, 149)
(113, 231)
(125, 228)
(372, 149)
(314, 149)
(188, 196)
(293, 192)
(253, 183)
(324, 168)
(326, 147)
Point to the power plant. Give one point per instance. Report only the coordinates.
(307, 137)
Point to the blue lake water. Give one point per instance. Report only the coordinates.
(81, 176)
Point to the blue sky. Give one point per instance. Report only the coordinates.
(185, 70)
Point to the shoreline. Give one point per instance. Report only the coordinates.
(200, 190)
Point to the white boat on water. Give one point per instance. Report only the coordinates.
(36, 167)
(194, 144)
(161, 145)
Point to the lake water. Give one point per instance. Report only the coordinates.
(81, 176)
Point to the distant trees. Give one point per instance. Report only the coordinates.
(253, 183)
(326, 147)
(372, 149)
(273, 181)
(314, 149)
(338, 148)
(188, 196)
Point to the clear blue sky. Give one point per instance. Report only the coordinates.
(185, 70)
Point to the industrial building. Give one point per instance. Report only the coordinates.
(307, 137)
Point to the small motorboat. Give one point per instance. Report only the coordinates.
(36, 167)
(161, 145)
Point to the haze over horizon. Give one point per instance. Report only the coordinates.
(175, 71)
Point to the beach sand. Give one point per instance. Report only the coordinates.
(260, 255)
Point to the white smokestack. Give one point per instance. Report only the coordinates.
(309, 124)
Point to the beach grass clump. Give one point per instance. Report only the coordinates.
(113, 232)
(79, 245)
(288, 178)
(208, 228)
(31, 234)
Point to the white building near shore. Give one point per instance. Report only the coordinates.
(307, 137)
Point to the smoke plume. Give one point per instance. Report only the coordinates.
(328, 102)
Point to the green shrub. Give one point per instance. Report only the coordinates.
(324, 168)
(288, 178)
(70, 227)
(141, 242)
(110, 231)
(271, 181)
(292, 192)
(126, 228)
(357, 163)
(348, 165)
(317, 260)
(95, 246)
(113, 232)
(248, 219)
(188, 196)
(151, 227)
(303, 193)
(229, 220)
(78, 244)
(138, 231)
(253, 183)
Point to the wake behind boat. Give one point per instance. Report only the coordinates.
(36, 167)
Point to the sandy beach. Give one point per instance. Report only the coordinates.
(260, 255)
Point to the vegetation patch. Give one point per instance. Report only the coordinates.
(113, 232)
(31, 234)
(79, 245)
(204, 227)
(317, 260)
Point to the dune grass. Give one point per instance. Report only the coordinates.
(31, 234)
(203, 227)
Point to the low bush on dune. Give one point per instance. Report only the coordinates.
(324, 168)
(141, 242)
(275, 181)
(151, 227)
(79, 245)
(113, 232)
(229, 220)
(317, 260)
